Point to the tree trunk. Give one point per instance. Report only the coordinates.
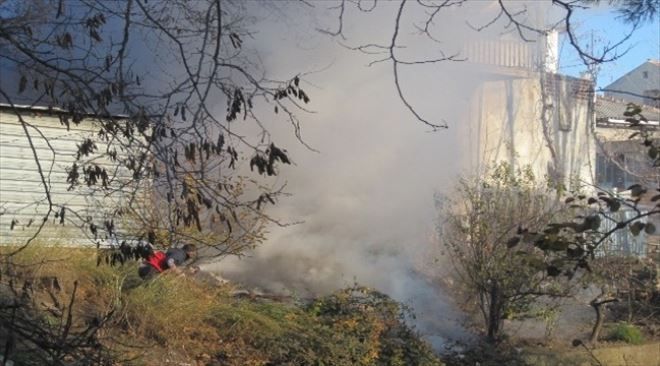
(600, 307)
(494, 313)
(600, 319)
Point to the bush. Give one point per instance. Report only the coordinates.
(355, 326)
(496, 273)
(627, 333)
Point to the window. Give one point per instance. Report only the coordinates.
(645, 74)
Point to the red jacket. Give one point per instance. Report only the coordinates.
(158, 260)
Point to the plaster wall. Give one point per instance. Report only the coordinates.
(536, 121)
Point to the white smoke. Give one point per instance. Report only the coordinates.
(367, 198)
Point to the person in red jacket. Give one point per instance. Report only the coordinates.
(157, 261)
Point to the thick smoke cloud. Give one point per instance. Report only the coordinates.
(366, 199)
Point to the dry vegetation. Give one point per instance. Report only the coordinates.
(181, 320)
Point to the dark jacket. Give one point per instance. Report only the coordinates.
(176, 256)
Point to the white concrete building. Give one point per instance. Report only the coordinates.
(522, 112)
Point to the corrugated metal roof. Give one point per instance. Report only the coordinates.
(608, 109)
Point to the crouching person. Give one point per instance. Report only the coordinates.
(176, 257)
(156, 261)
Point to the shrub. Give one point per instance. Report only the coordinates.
(355, 326)
(627, 333)
(499, 277)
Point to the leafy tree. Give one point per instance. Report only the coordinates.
(578, 244)
(574, 242)
(478, 220)
(150, 76)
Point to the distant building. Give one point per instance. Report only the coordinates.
(641, 85)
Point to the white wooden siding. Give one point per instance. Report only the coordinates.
(22, 194)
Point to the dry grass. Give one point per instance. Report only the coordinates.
(177, 319)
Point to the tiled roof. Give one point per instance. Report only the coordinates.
(612, 109)
(578, 88)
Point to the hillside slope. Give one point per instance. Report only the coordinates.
(59, 307)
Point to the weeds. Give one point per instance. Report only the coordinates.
(181, 319)
(627, 333)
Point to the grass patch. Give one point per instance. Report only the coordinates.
(627, 333)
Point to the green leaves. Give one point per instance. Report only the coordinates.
(635, 119)
(649, 228)
(613, 204)
(636, 228)
(265, 162)
(632, 110)
(592, 222)
(292, 90)
(87, 147)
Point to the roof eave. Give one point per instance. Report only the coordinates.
(54, 110)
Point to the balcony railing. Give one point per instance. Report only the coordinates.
(514, 54)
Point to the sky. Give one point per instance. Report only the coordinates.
(604, 28)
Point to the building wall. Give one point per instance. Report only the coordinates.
(639, 81)
(22, 196)
(508, 125)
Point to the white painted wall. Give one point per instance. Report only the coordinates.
(506, 125)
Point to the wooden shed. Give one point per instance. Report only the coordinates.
(77, 215)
